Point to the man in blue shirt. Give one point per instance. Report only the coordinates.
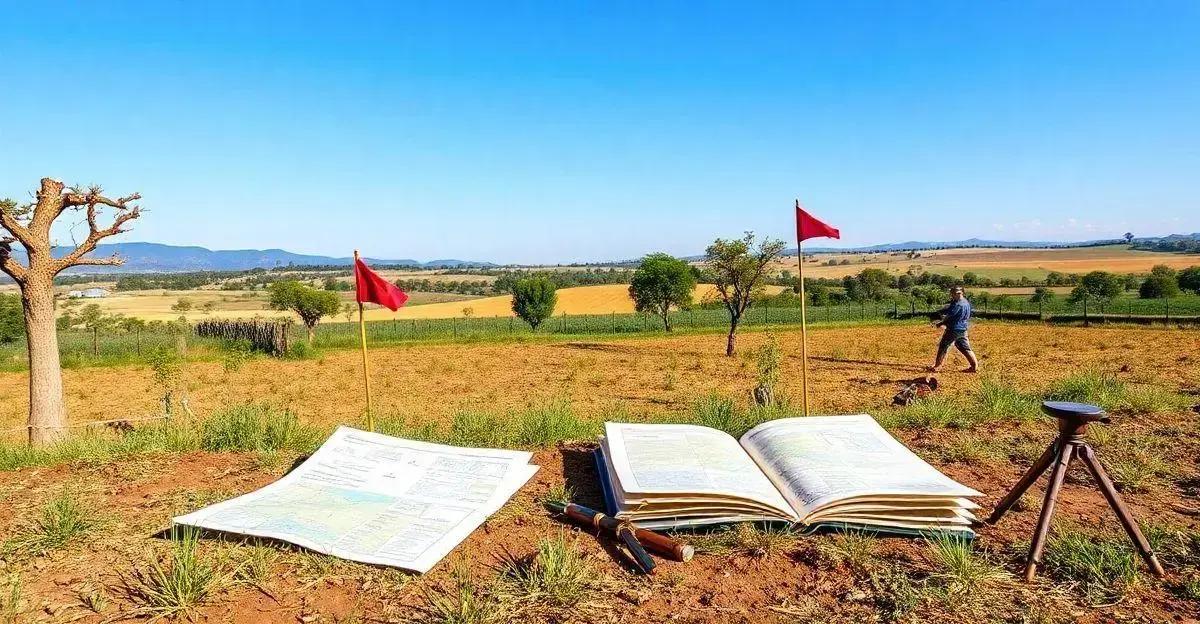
(955, 318)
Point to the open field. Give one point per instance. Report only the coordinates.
(155, 305)
(978, 429)
(997, 263)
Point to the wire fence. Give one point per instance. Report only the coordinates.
(84, 347)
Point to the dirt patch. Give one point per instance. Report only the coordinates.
(630, 376)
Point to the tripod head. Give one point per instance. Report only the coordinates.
(1073, 418)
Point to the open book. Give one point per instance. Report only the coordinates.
(822, 470)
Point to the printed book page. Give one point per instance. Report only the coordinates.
(820, 460)
(682, 460)
(376, 499)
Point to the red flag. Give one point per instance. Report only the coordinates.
(808, 226)
(370, 288)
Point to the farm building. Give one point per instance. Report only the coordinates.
(88, 293)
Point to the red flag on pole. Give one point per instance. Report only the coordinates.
(808, 226)
(371, 288)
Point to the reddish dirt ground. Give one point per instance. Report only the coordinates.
(134, 498)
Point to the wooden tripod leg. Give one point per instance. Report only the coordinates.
(1043, 526)
(1028, 479)
(1118, 505)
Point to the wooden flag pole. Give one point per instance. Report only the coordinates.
(362, 334)
(803, 327)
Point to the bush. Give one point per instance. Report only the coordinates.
(12, 318)
(534, 300)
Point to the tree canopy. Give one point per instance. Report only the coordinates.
(12, 318)
(662, 282)
(1189, 279)
(1099, 285)
(308, 303)
(534, 299)
(737, 268)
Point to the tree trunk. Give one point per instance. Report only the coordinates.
(47, 410)
(666, 317)
(312, 332)
(732, 342)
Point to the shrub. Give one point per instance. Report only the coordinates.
(534, 300)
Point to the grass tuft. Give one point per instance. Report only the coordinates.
(257, 427)
(556, 576)
(855, 549)
(1104, 568)
(747, 539)
(464, 602)
(62, 520)
(176, 586)
(249, 427)
(960, 570)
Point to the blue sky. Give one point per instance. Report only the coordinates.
(560, 131)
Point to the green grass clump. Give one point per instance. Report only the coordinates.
(998, 400)
(464, 602)
(548, 424)
(11, 602)
(251, 427)
(174, 586)
(856, 549)
(1090, 386)
(557, 576)
(960, 571)
(62, 520)
(932, 412)
(257, 427)
(723, 413)
(747, 539)
(1113, 394)
(1105, 568)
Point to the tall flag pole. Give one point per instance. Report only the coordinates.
(370, 287)
(807, 227)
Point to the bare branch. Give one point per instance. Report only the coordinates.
(8, 264)
(10, 220)
(113, 260)
(95, 235)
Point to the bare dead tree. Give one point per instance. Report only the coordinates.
(29, 224)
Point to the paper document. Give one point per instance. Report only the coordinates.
(822, 460)
(376, 499)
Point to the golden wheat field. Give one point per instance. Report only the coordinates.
(995, 263)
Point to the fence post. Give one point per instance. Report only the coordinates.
(1085, 316)
(1167, 303)
(454, 325)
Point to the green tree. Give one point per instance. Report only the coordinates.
(1189, 279)
(662, 282)
(308, 303)
(1101, 286)
(1159, 286)
(737, 268)
(12, 318)
(1041, 294)
(533, 300)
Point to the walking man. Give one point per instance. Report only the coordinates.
(955, 318)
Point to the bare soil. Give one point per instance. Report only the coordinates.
(854, 370)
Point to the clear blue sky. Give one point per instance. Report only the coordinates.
(556, 131)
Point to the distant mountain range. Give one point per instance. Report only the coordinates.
(156, 257)
(980, 242)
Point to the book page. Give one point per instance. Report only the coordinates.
(377, 499)
(686, 460)
(820, 460)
